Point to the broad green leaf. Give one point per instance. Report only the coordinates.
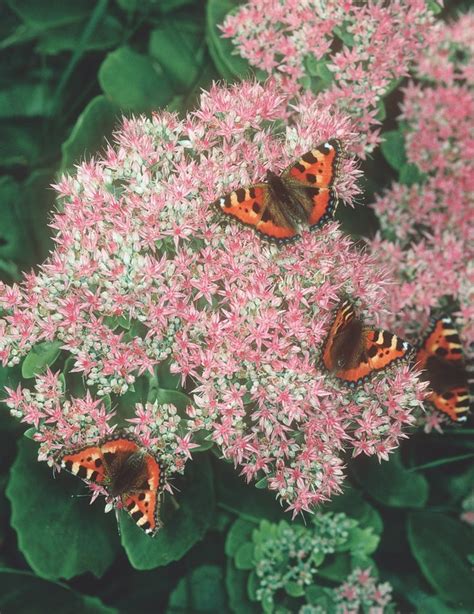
(244, 557)
(40, 357)
(183, 527)
(336, 567)
(222, 50)
(174, 397)
(434, 605)
(352, 503)
(26, 100)
(240, 532)
(410, 174)
(37, 203)
(13, 234)
(362, 541)
(51, 13)
(236, 583)
(93, 126)
(244, 499)
(390, 483)
(200, 591)
(107, 34)
(393, 149)
(441, 547)
(134, 81)
(435, 7)
(294, 589)
(204, 441)
(178, 45)
(59, 534)
(316, 595)
(167, 379)
(20, 144)
(22, 592)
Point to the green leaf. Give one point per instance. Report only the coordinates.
(90, 131)
(337, 567)
(222, 50)
(26, 100)
(244, 557)
(167, 379)
(441, 546)
(203, 439)
(434, 605)
(410, 174)
(37, 203)
(174, 397)
(133, 81)
(60, 535)
(19, 144)
(362, 541)
(52, 13)
(183, 527)
(178, 45)
(435, 7)
(245, 500)
(352, 503)
(317, 595)
(294, 590)
(200, 591)
(236, 584)
(393, 149)
(19, 590)
(239, 533)
(107, 34)
(390, 483)
(13, 234)
(40, 357)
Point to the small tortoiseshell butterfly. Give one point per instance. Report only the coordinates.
(302, 195)
(126, 471)
(354, 352)
(440, 356)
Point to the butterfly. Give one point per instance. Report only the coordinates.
(440, 356)
(354, 352)
(303, 194)
(126, 471)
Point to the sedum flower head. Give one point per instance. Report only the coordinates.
(287, 565)
(146, 275)
(427, 228)
(346, 54)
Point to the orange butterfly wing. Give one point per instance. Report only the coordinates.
(87, 463)
(93, 463)
(373, 350)
(318, 167)
(143, 506)
(382, 350)
(442, 344)
(308, 181)
(251, 207)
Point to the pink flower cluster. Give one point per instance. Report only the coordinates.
(427, 237)
(352, 50)
(145, 271)
(360, 593)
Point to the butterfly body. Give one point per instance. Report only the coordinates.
(354, 352)
(302, 195)
(440, 357)
(127, 471)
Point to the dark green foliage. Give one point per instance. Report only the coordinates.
(70, 70)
